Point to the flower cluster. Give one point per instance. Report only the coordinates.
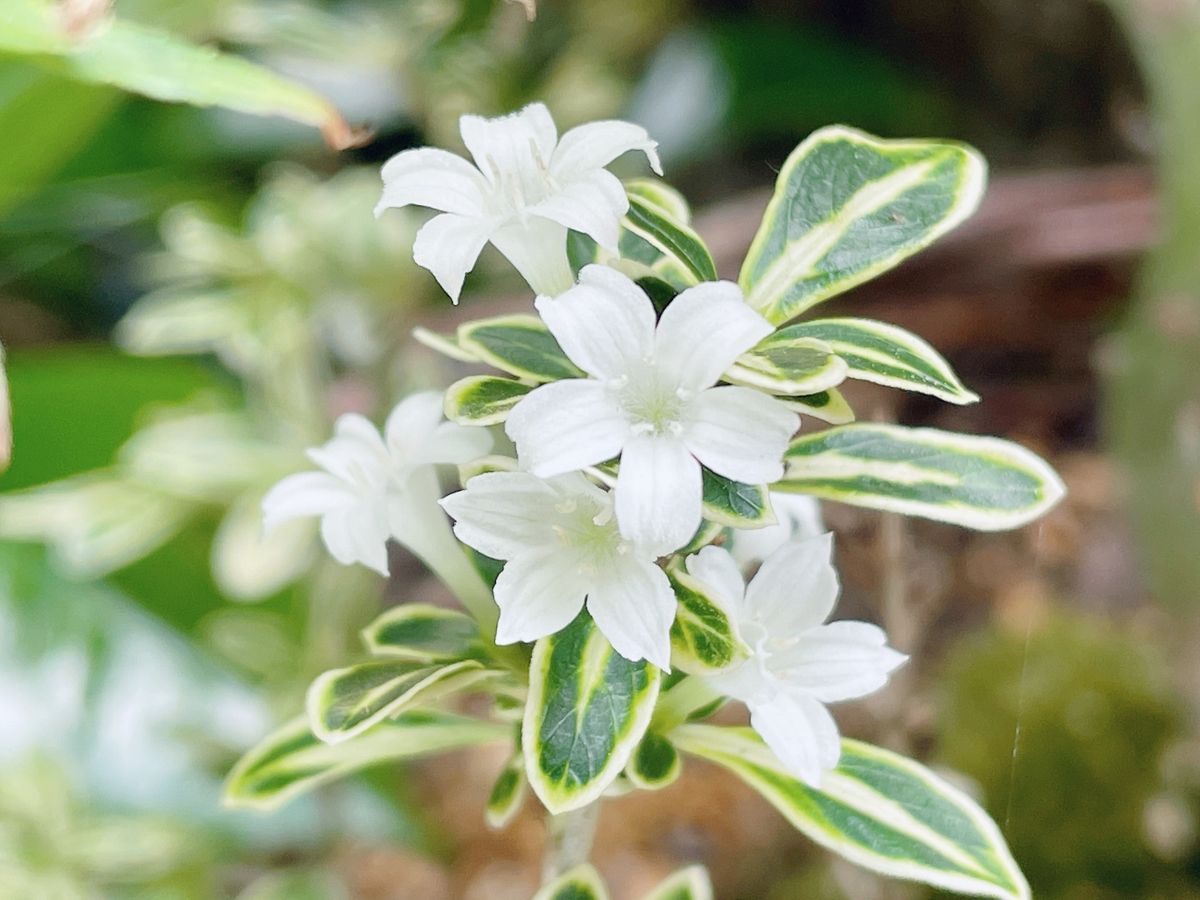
(609, 488)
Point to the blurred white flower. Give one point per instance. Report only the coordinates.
(797, 663)
(796, 516)
(651, 400)
(374, 487)
(563, 549)
(525, 190)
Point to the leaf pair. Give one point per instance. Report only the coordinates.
(373, 712)
(584, 883)
(879, 810)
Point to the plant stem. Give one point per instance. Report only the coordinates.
(677, 704)
(425, 530)
(570, 837)
(1153, 383)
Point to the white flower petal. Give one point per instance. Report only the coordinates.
(739, 433)
(798, 516)
(566, 425)
(797, 586)
(356, 453)
(658, 493)
(593, 205)
(304, 494)
(416, 433)
(358, 534)
(504, 514)
(634, 606)
(432, 178)
(596, 144)
(744, 681)
(448, 246)
(839, 661)
(703, 330)
(411, 423)
(453, 444)
(537, 248)
(512, 146)
(801, 732)
(538, 593)
(605, 324)
(716, 568)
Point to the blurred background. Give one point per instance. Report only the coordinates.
(189, 296)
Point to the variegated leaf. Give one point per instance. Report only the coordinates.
(508, 793)
(343, 703)
(519, 345)
(668, 247)
(848, 206)
(581, 883)
(422, 632)
(704, 637)
(691, 883)
(735, 504)
(483, 399)
(587, 709)
(877, 809)
(978, 482)
(655, 763)
(792, 366)
(292, 760)
(662, 195)
(445, 344)
(828, 406)
(885, 354)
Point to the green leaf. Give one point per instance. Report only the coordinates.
(422, 632)
(785, 364)
(445, 344)
(978, 482)
(672, 250)
(848, 206)
(735, 504)
(483, 399)
(828, 406)
(346, 702)
(508, 793)
(293, 760)
(877, 809)
(519, 345)
(882, 353)
(655, 763)
(152, 62)
(588, 707)
(662, 195)
(46, 120)
(704, 638)
(581, 883)
(691, 883)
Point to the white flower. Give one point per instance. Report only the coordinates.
(796, 516)
(563, 549)
(528, 189)
(651, 400)
(374, 487)
(797, 663)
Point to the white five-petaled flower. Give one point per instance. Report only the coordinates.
(563, 549)
(373, 487)
(797, 663)
(650, 399)
(526, 189)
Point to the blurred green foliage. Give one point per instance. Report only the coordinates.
(1066, 734)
